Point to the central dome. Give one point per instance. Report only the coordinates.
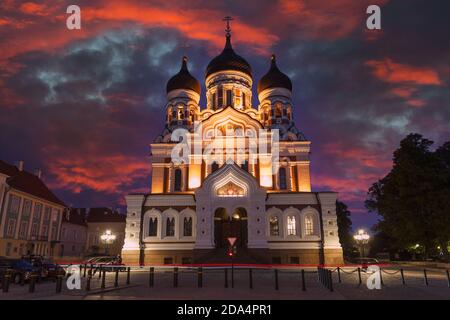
(228, 60)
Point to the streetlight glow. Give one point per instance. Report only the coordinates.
(361, 238)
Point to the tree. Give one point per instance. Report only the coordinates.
(344, 227)
(413, 198)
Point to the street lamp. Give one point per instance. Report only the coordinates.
(107, 238)
(361, 238)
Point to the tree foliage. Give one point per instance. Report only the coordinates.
(413, 199)
(344, 227)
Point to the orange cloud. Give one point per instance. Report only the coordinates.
(107, 174)
(34, 9)
(392, 72)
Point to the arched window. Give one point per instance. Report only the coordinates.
(153, 227)
(278, 110)
(187, 227)
(244, 100)
(169, 114)
(244, 165)
(220, 97)
(177, 186)
(291, 227)
(191, 116)
(170, 227)
(214, 166)
(180, 113)
(309, 226)
(282, 177)
(274, 226)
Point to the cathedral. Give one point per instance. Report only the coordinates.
(195, 206)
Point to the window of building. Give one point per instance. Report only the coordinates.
(169, 114)
(187, 227)
(153, 227)
(294, 260)
(8, 249)
(180, 113)
(278, 110)
(170, 227)
(282, 177)
(276, 260)
(214, 166)
(11, 228)
(34, 229)
(177, 186)
(244, 100)
(291, 227)
(309, 226)
(213, 102)
(54, 234)
(14, 204)
(229, 98)
(245, 165)
(44, 231)
(47, 213)
(37, 211)
(274, 226)
(220, 97)
(168, 260)
(26, 210)
(186, 260)
(23, 229)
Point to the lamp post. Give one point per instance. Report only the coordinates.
(361, 238)
(107, 238)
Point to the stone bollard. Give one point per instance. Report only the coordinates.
(128, 275)
(330, 280)
(103, 274)
(151, 278)
(339, 274)
(116, 278)
(59, 281)
(88, 282)
(359, 275)
(200, 277)
(32, 286)
(425, 277)
(448, 278)
(175, 277)
(6, 280)
(226, 277)
(403, 277)
(84, 271)
(276, 279)
(303, 280)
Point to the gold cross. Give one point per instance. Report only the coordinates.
(228, 19)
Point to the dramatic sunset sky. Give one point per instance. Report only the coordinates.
(84, 105)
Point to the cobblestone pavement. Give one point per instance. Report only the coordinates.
(289, 286)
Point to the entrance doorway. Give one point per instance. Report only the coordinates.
(234, 225)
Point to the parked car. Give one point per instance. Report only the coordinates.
(19, 269)
(47, 268)
(365, 262)
(109, 264)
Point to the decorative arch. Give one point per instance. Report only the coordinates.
(312, 215)
(291, 218)
(272, 215)
(185, 215)
(152, 214)
(170, 219)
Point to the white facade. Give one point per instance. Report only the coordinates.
(193, 205)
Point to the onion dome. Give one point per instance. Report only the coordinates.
(183, 80)
(274, 78)
(228, 60)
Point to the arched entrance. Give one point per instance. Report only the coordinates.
(230, 225)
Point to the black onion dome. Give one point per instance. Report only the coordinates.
(228, 60)
(274, 78)
(183, 80)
